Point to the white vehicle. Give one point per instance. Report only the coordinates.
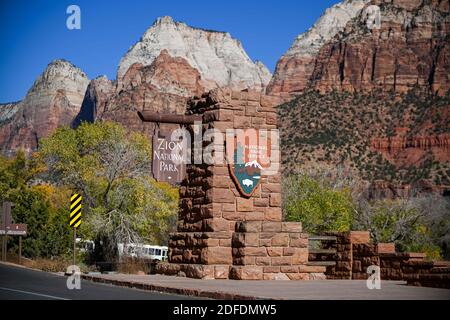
(143, 251)
(155, 252)
(85, 245)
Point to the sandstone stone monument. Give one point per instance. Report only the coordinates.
(222, 232)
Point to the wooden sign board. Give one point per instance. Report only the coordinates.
(14, 230)
(168, 163)
(7, 225)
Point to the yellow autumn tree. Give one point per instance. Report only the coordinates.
(112, 170)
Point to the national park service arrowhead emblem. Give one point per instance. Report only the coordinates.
(246, 157)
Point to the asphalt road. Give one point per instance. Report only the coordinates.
(18, 283)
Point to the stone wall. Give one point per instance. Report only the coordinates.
(364, 255)
(428, 274)
(270, 250)
(413, 268)
(354, 253)
(342, 256)
(221, 233)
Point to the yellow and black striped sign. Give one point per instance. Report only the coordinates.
(75, 210)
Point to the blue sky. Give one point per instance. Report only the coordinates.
(33, 33)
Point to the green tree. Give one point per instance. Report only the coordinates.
(30, 208)
(318, 206)
(13, 174)
(34, 205)
(112, 170)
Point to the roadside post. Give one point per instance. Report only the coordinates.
(20, 249)
(8, 227)
(75, 219)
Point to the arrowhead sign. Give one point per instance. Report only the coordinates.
(249, 157)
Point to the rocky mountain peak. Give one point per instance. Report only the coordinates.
(332, 21)
(296, 66)
(220, 59)
(409, 48)
(61, 75)
(166, 74)
(53, 100)
(164, 20)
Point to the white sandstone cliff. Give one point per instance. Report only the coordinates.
(220, 59)
(332, 21)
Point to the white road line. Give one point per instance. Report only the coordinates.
(33, 293)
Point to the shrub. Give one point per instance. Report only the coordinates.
(319, 207)
(419, 224)
(131, 265)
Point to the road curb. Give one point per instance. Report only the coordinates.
(219, 295)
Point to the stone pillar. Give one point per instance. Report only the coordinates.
(211, 242)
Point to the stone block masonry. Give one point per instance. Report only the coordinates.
(267, 250)
(222, 234)
(353, 253)
(340, 252)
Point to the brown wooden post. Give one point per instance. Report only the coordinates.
(6, 213)
(3, 247)
(148, 116)
(20, 249)
(3, 222)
